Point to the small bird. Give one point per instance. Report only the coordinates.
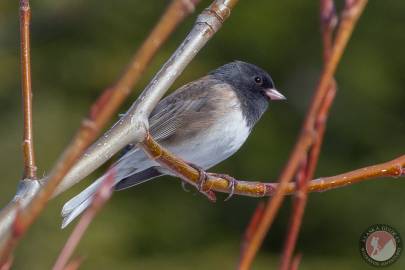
(203, 122)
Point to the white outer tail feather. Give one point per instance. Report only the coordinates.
(75, 206)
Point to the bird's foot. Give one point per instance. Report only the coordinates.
(231, 183)
(202, 178)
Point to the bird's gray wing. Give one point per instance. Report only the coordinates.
(191, 107)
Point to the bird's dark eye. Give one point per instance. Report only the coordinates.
(258, 80)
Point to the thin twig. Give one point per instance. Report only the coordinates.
(100, 198)
(393, 168)
(328, 21)
(303, 177)
(349, 19)
(8, 214)
(30, 168)
(299, 202)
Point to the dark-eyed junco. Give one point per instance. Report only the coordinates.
(204, 122)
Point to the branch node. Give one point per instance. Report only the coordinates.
(268, 190)
(214, 15)
(328, 14)
(399, 171)
(24, 5)
(89, 124)
(188, 5)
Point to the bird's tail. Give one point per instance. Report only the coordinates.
(75, 206)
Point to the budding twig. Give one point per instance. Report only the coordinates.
(30, 169)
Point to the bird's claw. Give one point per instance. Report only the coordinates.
(202, 177)
(232, 183)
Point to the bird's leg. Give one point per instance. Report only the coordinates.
(232, 182)
(200, 183)
(202, 176)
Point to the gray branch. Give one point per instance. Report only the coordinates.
(132, 127)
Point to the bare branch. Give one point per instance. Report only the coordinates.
(328, 20)
(305, 140)
(30, 169)
(304, 175)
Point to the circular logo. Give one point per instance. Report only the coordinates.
(380, 245)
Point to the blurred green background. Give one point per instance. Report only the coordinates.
(81, 47)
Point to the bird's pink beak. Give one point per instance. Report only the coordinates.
(273, 94)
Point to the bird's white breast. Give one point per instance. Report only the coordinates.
(217, 143)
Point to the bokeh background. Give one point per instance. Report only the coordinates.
(81, 47)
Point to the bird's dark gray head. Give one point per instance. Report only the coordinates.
(253, 85)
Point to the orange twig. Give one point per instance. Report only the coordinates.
(305, 173)
(30, 169)
(393, 168)
(101, 197)
(306, 139)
